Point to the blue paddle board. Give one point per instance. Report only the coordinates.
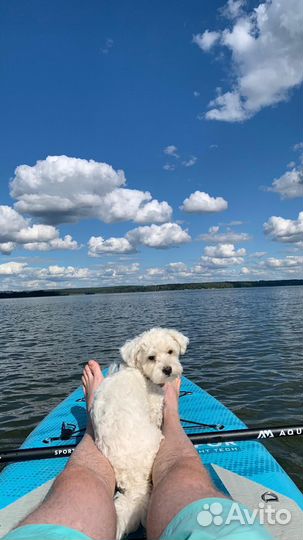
(246, 471)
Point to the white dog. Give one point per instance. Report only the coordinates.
(127, 417)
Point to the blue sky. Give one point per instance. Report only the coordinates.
(196, 102)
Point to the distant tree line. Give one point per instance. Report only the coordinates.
(151, 288)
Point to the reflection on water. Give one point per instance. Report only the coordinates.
(245, 348)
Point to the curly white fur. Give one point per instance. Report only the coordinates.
(127, 417)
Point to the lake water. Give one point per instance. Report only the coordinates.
(246, 348)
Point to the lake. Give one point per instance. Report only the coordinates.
(246, 348)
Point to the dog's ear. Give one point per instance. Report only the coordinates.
(182, 340)
(130, 350)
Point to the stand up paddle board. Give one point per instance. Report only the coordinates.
(245, 471)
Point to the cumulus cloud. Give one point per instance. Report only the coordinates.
(229, 237)
(63, 272)
(169, 167)
(219, 262)
(18, 231)
(10, 223)
(6, 248)
(233, 8)
(66, 243)
(224, 251)
(171, 150)
(12, 268)
(289, 185)
(190, 162)
(266, 51)
(285, 230)
(170, 272)
(36, 233)
(64, 189)
(200, 201)
(133, 205)
(290, 261)
(220, 256)
(16, 276)
(206, 40)
(155, 272)
(98, 246)
(177, 267)
(159, 236)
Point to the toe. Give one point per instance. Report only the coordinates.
(87, 372)
(95, 368)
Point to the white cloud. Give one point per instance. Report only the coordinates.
(7, 247)
(12, 268)
(228, 237)
(289, 261)
(64, 189)
(221, 256)
(155, 272)
(298, 146)
(202, 202)
(36, 233)
(233, 8)
(289, 185)
(266, 49)
(177, 267)
(171, 150)
(220, 262)
(17, 231)
(196, 93)
(224, 251)
(257, 271)
(190, 162)
(62, 272)
(258, 254)
(10, 223)
(159, 236)
(206, 40)
(169, 167)
(154, 212)
(66, 243)
(284, 230)
(121, 270)
(109, 43)
(98, 246)
(132, 204)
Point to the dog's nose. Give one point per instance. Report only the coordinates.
(167, 370)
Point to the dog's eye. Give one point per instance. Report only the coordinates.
(152, 357)
(170, 351)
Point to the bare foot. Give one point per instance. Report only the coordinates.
(171, 396)
(91, 379)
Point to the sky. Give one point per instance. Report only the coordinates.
(150, 142)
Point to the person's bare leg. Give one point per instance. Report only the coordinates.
(179, 478)
(82, 495)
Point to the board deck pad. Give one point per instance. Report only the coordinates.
(248, 459)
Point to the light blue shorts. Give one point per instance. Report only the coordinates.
(206, 519)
